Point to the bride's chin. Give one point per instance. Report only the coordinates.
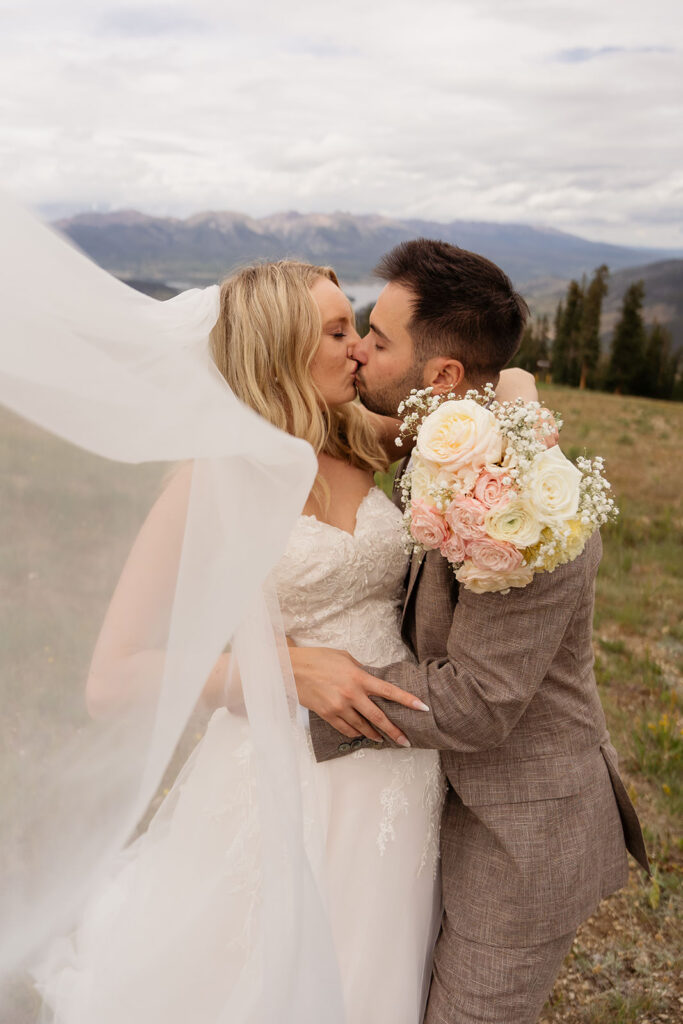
(343, 398)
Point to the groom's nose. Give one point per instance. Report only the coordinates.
(359, 351)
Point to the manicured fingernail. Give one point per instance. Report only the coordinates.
(403, 742)
(419, 706)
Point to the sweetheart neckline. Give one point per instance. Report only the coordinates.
(338, 529)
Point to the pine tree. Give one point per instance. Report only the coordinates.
(559, 350)
(660, 365)
(542, 345)
(627, 355)
(532, 354)
(363, 319)
(526, 353)
(589, 330)
(566, 350)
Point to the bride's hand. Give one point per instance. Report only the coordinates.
(516, 383)
(336, 687)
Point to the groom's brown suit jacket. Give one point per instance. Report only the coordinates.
(537, 820)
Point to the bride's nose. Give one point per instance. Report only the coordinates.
(354, 340)
(358, 351)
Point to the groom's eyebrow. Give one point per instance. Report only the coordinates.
(377, 330)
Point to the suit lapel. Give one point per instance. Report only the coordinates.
(417, 559)
(416, 564)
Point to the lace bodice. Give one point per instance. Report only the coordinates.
(345, 590)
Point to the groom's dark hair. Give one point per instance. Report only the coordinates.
(465, 306)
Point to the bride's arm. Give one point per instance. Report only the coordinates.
(129, 657)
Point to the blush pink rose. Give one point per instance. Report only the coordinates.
(494, 555)
(427, 525)
(454, 549)
(465, 516)
(490, 489)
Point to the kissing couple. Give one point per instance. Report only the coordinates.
(462, 809)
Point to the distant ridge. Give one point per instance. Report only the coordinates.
(663, 296)
(206, 246)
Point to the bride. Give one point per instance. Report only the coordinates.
(175, 932)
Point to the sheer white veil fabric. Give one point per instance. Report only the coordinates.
(106, 390)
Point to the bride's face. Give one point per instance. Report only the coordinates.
(333, 370)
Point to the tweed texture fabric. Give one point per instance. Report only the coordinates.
(474, 983)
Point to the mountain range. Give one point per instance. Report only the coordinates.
(205, 247)
(166, 254)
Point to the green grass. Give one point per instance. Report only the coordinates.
(628, 967)
(658, 754)
(613, 1008)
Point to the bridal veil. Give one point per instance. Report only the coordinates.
(113, 407)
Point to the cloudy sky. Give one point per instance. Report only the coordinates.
(566, 113)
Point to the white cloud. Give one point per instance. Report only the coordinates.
(554, 112)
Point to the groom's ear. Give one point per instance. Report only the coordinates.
(444, 374)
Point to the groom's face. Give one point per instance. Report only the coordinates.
(387, 370)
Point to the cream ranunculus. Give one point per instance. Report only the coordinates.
(515, 521)
(575, 536)
(424, 476)
(553, 486)
(460, 433)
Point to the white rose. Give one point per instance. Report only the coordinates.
(552, 485)
(515, 521)
(460, 433)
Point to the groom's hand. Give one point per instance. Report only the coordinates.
(336, 687)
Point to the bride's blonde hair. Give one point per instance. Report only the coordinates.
(264, 341)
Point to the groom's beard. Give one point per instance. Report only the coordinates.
(385, 400)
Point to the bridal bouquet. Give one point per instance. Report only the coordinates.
(485, 489)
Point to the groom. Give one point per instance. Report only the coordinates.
(536, 822)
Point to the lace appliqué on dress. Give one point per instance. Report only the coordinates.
(393, 798)
(433, 800)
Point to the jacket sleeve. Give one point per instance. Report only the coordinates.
(499, 650)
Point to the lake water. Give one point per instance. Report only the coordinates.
(362, 292)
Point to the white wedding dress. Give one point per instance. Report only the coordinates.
(157, 946)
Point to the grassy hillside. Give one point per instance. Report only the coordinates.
(625, 966)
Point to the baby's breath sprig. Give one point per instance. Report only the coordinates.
(415, 408)
(596, 507)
